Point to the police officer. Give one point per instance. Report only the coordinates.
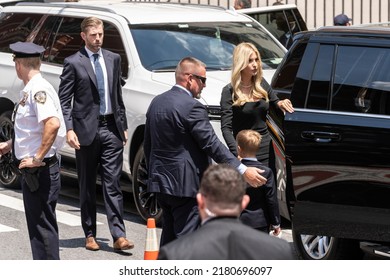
(39, 134)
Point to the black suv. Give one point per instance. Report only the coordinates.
(333, 153)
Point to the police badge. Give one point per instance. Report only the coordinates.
(40, 97)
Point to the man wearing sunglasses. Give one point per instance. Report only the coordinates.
(179, 145)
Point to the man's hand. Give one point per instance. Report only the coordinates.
(72, 140)
(277, 231)
(253, 177)
(29, 163)
(5, 147)
(126, 138)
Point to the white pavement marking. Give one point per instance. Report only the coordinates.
(62, 217)
(4, 228)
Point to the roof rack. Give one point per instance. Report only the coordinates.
(85, 5)
(66, 5)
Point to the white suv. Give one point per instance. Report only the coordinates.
(283, 21)
(151, 38)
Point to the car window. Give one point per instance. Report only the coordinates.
(299, 19)
(268, 20)
(301, 83)
(161, 47)
(16, 27)
(338, 78)
(61, 38)
(282, 24)
(321, 77)
(361, 80)
(285, 79)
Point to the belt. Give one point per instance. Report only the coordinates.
(106, 118)
(49, 161)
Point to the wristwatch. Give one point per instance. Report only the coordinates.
(37, 160)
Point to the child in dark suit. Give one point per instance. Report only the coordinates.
(262, 212)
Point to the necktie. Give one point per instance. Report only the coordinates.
(100, 83)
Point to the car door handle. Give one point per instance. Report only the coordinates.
(320, 136)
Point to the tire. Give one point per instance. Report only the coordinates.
(313, 247)
(145, 202)
(9, 177)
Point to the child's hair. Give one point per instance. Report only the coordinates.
(249, 141)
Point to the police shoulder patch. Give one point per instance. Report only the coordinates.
(40, 97)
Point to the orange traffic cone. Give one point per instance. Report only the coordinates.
(151, 244)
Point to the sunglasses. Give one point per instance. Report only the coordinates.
(202, 79)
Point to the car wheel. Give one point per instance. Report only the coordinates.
(9, 178)
(314, 247)
(145, 202)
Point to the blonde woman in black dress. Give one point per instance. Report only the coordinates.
(245, 103)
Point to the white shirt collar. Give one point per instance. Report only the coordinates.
(90, 54)
(183, 88)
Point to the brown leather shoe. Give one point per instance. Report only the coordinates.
(91, 244)
(123, 244)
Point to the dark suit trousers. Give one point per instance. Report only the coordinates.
(106, 150)
(40, 214)
(180, 216)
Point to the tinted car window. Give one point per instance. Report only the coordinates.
(337, 78)
(61, 38)
(282, 24)
(361, 80)
(162, 46)
(320, 82)
(16, 27)
(299, 20)
(286, 76)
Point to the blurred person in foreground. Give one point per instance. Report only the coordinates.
(222, 236)
(179, 144)
(39, 133)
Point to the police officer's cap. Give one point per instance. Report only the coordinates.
(26, 49)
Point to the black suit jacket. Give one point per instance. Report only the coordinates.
(226, 238)
(179, 141)
(78, 81)
(263, 208)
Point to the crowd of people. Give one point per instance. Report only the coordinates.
(210, 211)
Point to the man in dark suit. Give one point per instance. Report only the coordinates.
(179, 142)
(222, 236)
(97, 128)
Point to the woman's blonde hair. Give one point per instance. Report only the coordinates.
(241, 55)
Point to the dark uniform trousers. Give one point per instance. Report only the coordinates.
(106, 150)
(40, 214)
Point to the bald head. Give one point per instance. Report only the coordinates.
(191, 74)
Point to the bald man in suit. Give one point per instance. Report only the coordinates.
(179, 145)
